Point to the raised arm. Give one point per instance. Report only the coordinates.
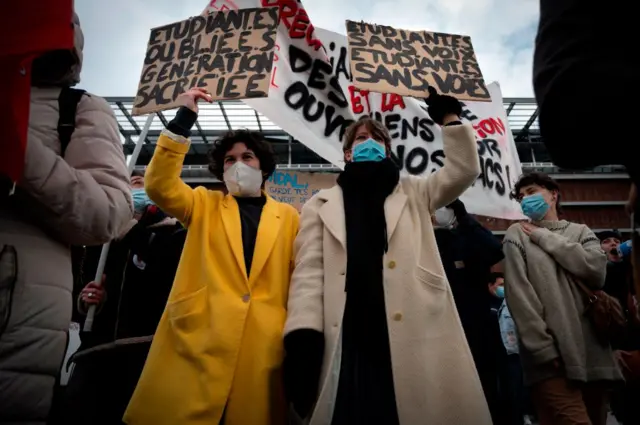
(162, 178)
(526, 308)
(584, 259)
(461, 164)
(83, 198)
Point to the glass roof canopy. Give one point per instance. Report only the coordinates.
(220, 117)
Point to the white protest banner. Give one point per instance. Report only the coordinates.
(290, 104)
(312, 98)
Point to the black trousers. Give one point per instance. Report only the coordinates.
(102, 384)
(513, 394)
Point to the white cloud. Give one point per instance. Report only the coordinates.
(502, 32)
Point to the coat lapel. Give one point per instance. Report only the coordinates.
(233, 229)
(268, 231)
(332, 214)
(393, 207)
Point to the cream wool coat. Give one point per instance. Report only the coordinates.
(435, 378)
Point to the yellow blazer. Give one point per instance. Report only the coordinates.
(219, 341)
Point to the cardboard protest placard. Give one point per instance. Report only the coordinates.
(389, 60)
(297, 187)
(229, 53)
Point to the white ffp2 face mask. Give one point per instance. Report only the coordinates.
(243, 180)
(445, 218)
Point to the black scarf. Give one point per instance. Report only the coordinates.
(365, 390)
(365, 187)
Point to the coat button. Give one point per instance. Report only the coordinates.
(392, 264)
(397, 317)
(246, 298)
(342, 273)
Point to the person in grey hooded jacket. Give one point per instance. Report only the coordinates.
(79, 198)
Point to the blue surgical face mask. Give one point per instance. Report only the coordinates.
(140, 200)
(534, 206)
(369, 150)
(500, 292)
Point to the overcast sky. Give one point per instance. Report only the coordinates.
(116, 33)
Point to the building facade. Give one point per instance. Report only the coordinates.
(596, 198)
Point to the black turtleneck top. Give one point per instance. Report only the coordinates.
(250, 212)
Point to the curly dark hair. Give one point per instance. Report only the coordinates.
(539, 179)
(254, 140)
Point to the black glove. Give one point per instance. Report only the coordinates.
(302, 368)
(458, 208)
(440, 106)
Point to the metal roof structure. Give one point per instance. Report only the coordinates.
(220, 117)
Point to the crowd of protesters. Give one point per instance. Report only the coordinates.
(379, 304)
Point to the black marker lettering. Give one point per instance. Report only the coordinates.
(221, 51)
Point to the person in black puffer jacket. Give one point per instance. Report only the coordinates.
(138, 278)
(468, 251)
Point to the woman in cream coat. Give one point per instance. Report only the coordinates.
(372, 325)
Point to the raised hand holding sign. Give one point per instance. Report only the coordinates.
(190, 98)
(442, 108)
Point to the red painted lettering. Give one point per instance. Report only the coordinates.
(489, 126)
(356, 96)
(275, 54)
(296, 20)
(222, 5)
(365, 94)
(389, 102)
(356, 103)
(275, 68)
(287, 11)
(499, 125)
(311, 40)
(299, 25)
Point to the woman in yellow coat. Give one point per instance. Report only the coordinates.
(217, 353)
